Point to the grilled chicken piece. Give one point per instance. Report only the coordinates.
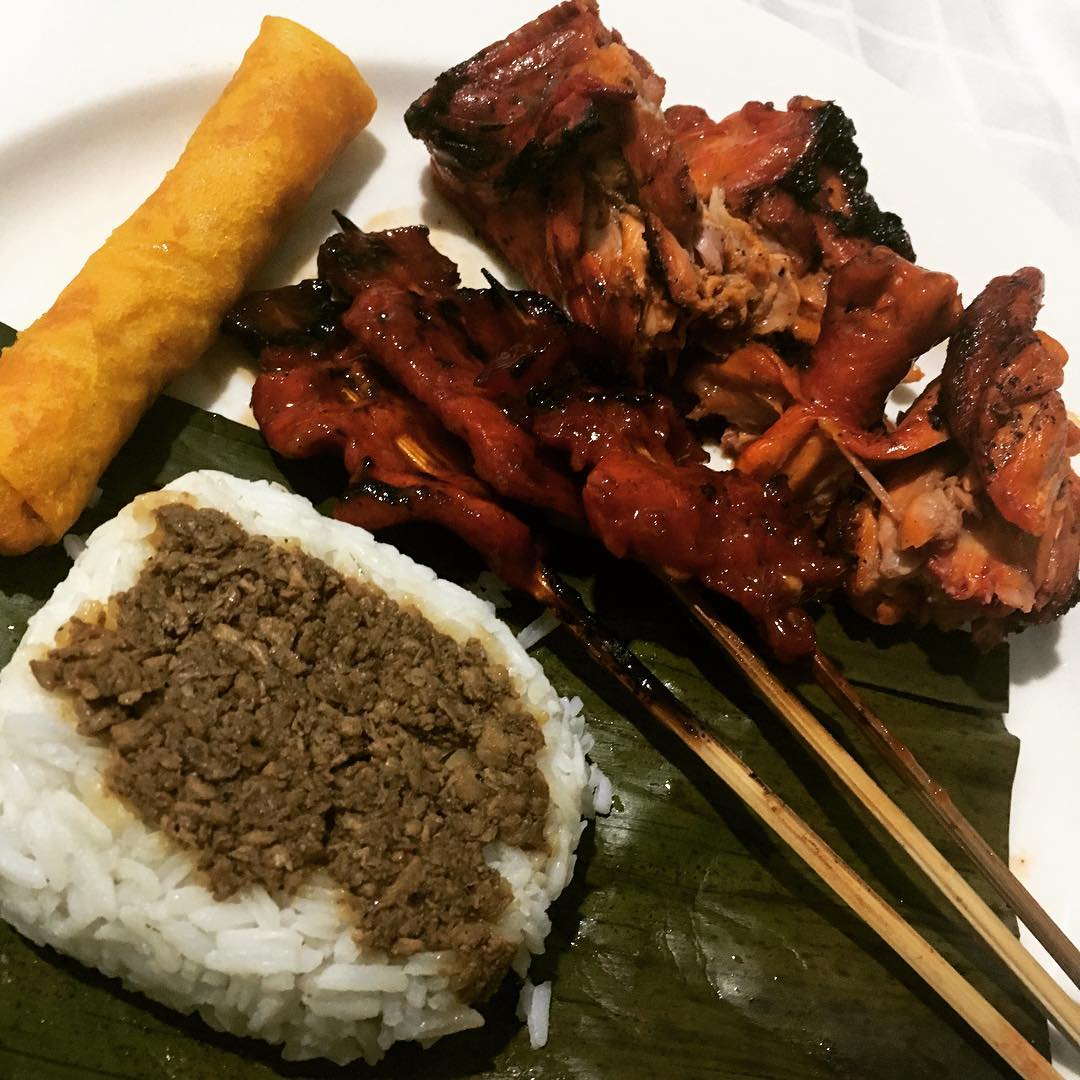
(554, 145)
(436, 350)
(807, 152)
(1000, 400)
(528, 378)
(883, 312)
(985, 528)
(797, 177)
(748, 541)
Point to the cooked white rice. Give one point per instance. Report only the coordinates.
(80, 873)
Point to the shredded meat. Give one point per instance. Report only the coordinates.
(284, 723)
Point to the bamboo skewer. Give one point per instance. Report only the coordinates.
(1042, 987)
(938, 801)
(615, 658)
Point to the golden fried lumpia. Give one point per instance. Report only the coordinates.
(148, 302)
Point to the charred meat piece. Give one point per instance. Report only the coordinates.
(541, 410)
(985, 528)
(657, 229)
(807, 151)
(352, 259)
(999, 396)
(402, 465)
(553, 144)
(522, 376)
(647, 493)
(295, 315)
(523, 109)
(437, 344)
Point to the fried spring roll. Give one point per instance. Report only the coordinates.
(148, 302)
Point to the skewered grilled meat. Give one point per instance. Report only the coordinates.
(518, 382)
(436, 349)
(319, 394)
(748, 255)
(985, 527)
(658, 229)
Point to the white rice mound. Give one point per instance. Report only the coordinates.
(80, 873)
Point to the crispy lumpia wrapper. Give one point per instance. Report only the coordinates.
(149, 301)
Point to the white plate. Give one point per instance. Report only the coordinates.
(99, 99)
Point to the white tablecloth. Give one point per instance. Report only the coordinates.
(1009, 70)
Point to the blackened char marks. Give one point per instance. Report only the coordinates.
(294, 315)
(807, 150)
(401, 462)
(658, 229)
(351, 259)
(834, 151)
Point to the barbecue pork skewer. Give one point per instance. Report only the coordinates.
(383, 435)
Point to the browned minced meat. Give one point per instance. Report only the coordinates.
(280, 720)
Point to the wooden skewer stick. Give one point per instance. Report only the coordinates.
(615, 658)
(1042, 987)
(938, 801)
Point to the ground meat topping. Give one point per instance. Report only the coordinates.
(281, 721)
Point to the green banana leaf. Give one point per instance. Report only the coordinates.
(691, 943)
